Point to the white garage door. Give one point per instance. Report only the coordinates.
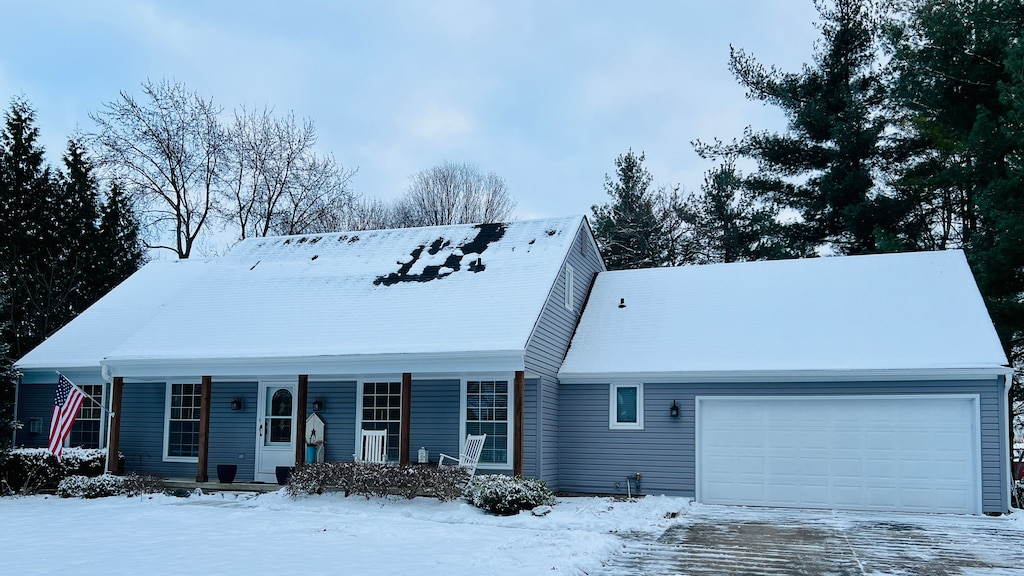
(867, 452)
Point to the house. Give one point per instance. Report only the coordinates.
(428, 333)
(866, 382)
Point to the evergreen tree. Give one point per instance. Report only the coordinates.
(726, 223)
(824, 167)
(629, 231)
(119, 247)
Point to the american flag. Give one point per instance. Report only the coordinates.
(65, 410)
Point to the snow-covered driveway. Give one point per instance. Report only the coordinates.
(756, 541)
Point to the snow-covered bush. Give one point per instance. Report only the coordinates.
(380, 480)
(506, 495)
(28, 470)
(108, 485)
(90, 487)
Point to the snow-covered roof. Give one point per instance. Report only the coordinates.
(437, 290)
(911, 311)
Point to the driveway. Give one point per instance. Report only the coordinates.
(754, 541)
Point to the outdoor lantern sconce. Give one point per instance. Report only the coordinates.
(318, 404)
(236, 403)
(673, 410)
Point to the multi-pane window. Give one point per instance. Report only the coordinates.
(626, 406)
(382, 410)
(183, 421)
(87, 431)
(487, 413)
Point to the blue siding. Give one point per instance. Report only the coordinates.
(142, 432)
(545, 352)
(531, 427)
(597, 460)
(339, 416)
(232, 433)
(34, 401)
(434, 417)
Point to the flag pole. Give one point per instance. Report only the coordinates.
(94, 401)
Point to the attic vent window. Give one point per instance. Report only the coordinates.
(570, 292)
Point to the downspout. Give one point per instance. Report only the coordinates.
(1008, 436)
(14, 429)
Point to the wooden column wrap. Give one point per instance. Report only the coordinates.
(202, 468)
(301, 395)
(520, 427)
(405, 428)
(114, 432)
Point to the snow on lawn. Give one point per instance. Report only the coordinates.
(272, 533)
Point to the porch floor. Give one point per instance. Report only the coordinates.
(214, 486)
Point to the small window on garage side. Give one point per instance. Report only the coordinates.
(626, 407)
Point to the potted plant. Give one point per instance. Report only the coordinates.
(226, 473)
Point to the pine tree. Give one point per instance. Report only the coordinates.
(726, 223)
(824, 167)
(629, 231)
(120, 251)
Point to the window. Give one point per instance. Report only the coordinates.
(626, 407)
(183, 409)
(487, 412)
(569, 290)
(382, 410)
(87, 431)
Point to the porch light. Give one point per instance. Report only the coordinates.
(673, 410)
(236, 403)
(318, 404)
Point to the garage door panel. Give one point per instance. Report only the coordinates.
(883, 452)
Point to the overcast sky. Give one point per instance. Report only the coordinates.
(545, 94)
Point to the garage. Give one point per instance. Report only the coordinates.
(894, 453)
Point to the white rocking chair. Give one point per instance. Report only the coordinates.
(470, 454)
(373, 447)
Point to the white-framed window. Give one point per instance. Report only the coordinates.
(570, 293)
(626, 407)
(181, 436)
(487, 409)
(87, 432)
(382, 410)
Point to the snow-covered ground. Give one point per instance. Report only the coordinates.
(273, 534)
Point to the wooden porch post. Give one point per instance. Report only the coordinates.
(204, 430)
(405, 427)
(520, 427)
(300, 419)
(114, 433)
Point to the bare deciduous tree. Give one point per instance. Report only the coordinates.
(167, 150)
(276, 182)
(454, 193)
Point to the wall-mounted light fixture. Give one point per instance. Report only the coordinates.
(318, 404)
(673, 410)
(236, 403)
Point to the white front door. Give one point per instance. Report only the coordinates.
(275, 429)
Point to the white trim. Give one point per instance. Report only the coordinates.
(322, 366)
(509, 379)
(169, 385)
(686, 377)
(568, 288)
(1004, 435)
(613, 404)
(975, 425)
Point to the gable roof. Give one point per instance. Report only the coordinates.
(459, 289)
(910, 311)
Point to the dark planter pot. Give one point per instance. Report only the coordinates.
(226, 473)
(283, 472)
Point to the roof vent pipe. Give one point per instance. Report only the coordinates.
(622, 302)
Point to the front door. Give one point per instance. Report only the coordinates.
(275, 429)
